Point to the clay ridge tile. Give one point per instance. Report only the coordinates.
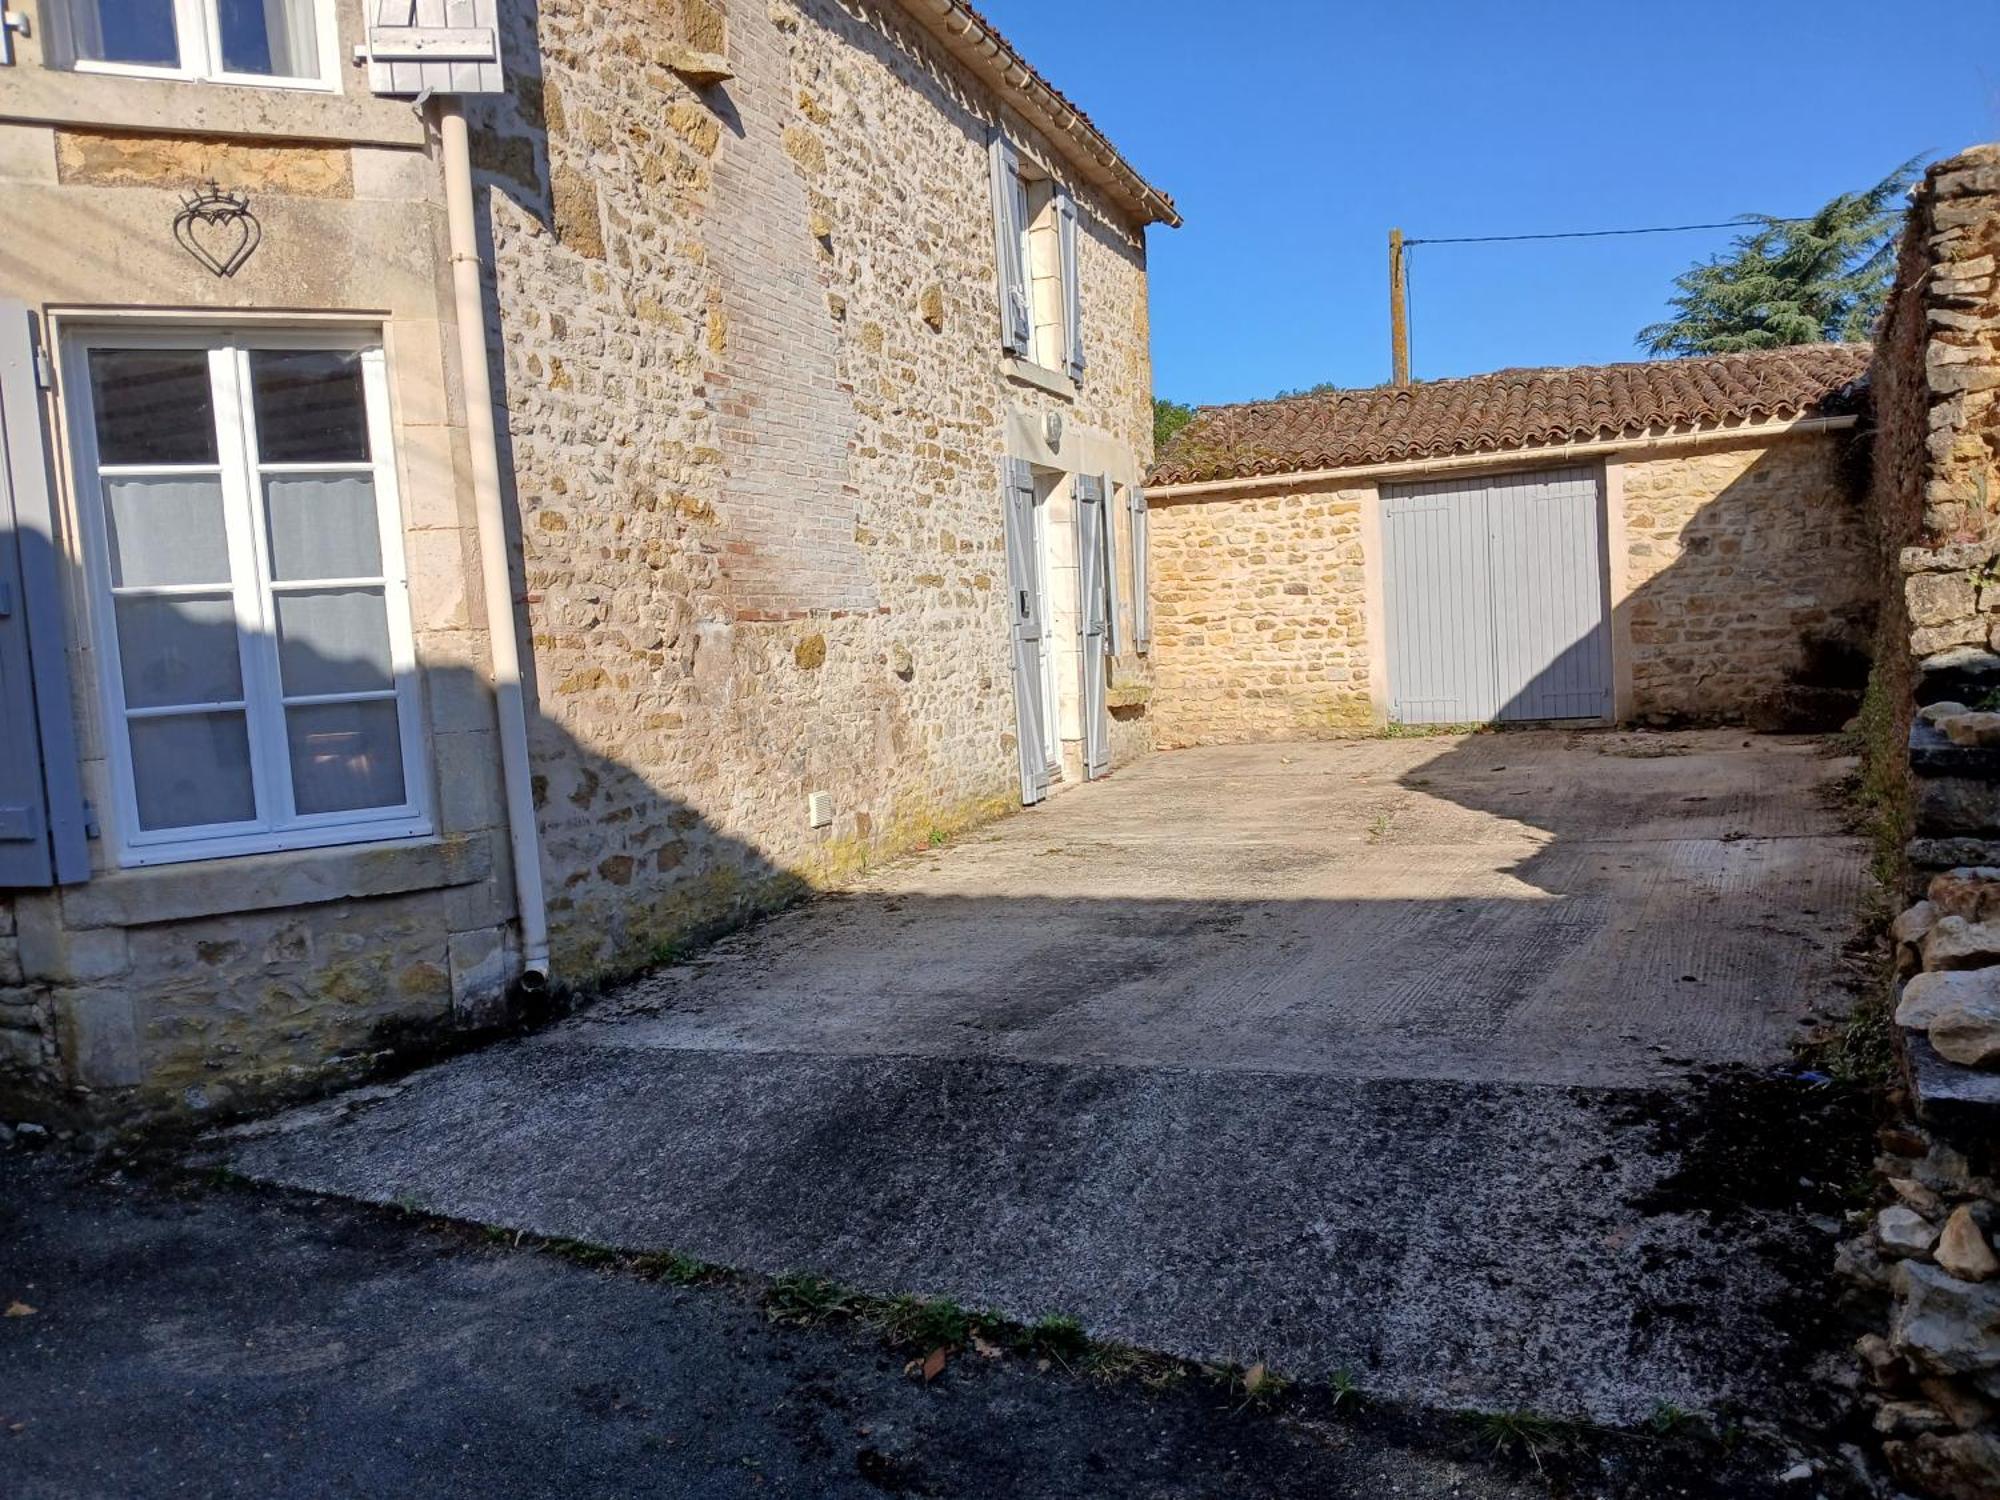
(1508, 410)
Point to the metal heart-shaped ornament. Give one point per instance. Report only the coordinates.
(218, 229)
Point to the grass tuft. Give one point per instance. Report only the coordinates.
(806, 1301)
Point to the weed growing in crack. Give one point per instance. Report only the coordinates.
(1258, 1386)
(1058, 1337)
(1521, 1433)
(1344, 1390)
(1667, 1419)
(676, 1269)
(924, 1322)
(806, 1301)
(1119, 1362)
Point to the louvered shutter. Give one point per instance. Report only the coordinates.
(41, 802)
(1024, 602)
(1114, 639)
(1016, 315)
(1092, 525)
(1142, 602)
(434, 46)
(1072, 286)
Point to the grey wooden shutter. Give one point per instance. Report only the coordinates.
(41, 803)
(1016, 314)
(1091, 524)
(1142, 602)
(1072, 286)
(434, 47)
(1024, 603)
(1113, 631)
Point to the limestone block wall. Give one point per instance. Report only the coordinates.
(757, 413)
(1260, 616)
(1746, 580)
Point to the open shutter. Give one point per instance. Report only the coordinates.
(1072, 287)
(1024, 602)
(434, 47)
(1142, 602)
(1092, 522)
(1016, 318)
(41, 803)
(1114, 638)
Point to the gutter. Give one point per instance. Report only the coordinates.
(967, 35)
(1511, 457)
(503, 641)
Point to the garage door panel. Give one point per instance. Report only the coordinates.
(1439, 606)
(1495, 599)
(1550, 638)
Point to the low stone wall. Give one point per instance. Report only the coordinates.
(1260, 624)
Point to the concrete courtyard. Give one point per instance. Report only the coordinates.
(1377, 1058)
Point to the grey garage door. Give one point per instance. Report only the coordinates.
(1496, 599)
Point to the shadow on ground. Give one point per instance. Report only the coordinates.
(1378, 1061)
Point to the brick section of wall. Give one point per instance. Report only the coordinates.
(751, 354)
(785, 414)
(1746, 575)
(1260, 617)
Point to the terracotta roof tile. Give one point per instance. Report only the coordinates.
(1510, 409)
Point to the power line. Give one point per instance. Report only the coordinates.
(1595, 234)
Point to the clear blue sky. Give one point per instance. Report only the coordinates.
(1295, 133)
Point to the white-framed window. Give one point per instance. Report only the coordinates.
(1035, 239)
(281, 43)
(250, 611)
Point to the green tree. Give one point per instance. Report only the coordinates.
(1791, 281)
(1169, 417)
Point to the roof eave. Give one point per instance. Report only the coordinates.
(1266, 473)
(968, 37)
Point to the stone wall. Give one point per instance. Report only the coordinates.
(1747, 594)
(1260, 617)
(757, 409)
(1927, 1260)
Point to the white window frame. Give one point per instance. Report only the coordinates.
(278, 826)
(1039, 231)
(198, 31)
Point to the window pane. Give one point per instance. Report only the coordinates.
(309, 406)
(275, 38)
(127, 31)
(178, 651)
(165, 531)
(323, 526)
(345, 756)
(192, 769)
(153, 406)
(333, 641)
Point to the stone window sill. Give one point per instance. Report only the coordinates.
(1039, 376)
(105, 101)
(267, 882)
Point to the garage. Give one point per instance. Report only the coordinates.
(1496, 599)
(1671, 542)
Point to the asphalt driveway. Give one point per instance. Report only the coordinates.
(1396, 1058)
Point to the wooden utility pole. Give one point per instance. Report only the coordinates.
(1399, 311)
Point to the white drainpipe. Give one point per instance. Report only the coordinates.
(502, 639)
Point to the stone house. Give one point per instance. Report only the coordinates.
(494, 493)
(1668, 542)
